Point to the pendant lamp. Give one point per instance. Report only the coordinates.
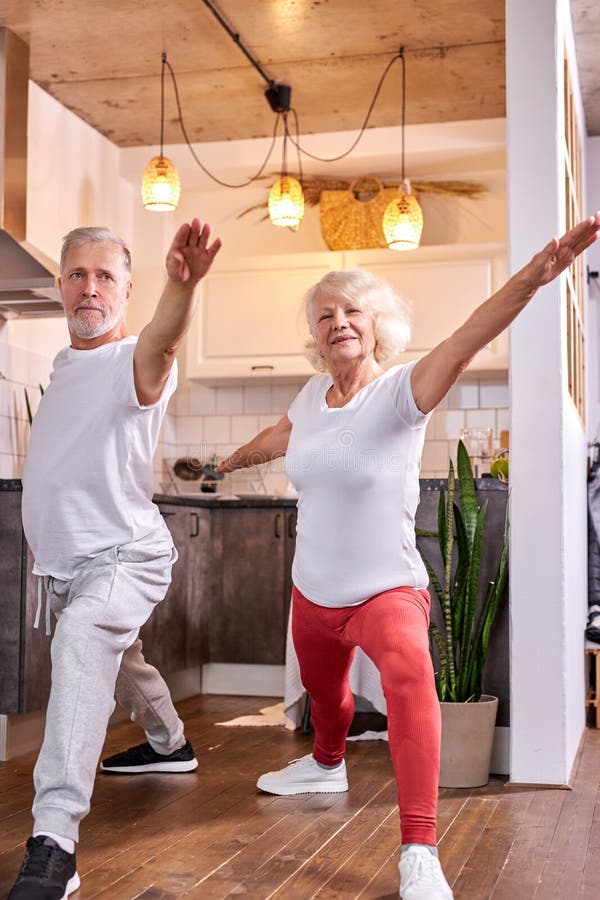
(403, 218)
(161, 185)
(286, 199)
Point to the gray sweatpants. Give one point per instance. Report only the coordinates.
(97, 657)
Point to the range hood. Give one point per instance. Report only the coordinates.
(27, 277)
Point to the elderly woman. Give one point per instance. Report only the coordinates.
(353, 439)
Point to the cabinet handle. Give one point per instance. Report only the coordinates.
(196, 529)
(291, 524)
(277, 521)
(165, 515)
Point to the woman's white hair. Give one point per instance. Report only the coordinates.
(390, 313)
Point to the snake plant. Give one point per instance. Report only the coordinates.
(459, 648)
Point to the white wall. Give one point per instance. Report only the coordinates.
(203, 421)
(73, 179)
(593, 310)
(548, 444)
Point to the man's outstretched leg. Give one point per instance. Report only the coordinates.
(99, 615)
(143, 693)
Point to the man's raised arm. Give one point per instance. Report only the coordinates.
(188, 260)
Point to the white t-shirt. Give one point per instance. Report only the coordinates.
(88, 481)
(357, 473)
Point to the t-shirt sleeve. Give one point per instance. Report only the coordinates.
(124, 381)
(401, 392)
(301, 397)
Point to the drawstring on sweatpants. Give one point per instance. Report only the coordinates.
(42, 588)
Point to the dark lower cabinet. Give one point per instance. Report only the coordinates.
(176, 635)
(228, 600)
(249, 613)
(24, 651)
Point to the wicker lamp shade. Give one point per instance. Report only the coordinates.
(161, 185)
(403, 223)
(286, 202)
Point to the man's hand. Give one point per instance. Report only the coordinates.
(189, 258)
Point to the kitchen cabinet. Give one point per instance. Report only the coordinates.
(250, 324)
(247, 323)
(176, 635)
(24, 651)
(249, 613)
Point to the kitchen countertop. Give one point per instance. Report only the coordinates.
(208, 501)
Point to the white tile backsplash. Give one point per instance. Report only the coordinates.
(10, 465)
(282, 397)
(464, 395)
(481, 418)
(257, 398)
(493, 395)
(230, 400)
(199, 429)
(268, 421)
(435, 457)
(243, 428)
(446, 424)
(202, 400)
(189, 429)
(6, 436)
(502, 420)
(217, 429)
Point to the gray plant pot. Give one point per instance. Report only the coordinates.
(467, 738)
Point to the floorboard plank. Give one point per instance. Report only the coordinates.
(211, 834)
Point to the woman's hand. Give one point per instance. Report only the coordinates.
(189, 257)
(558, 255)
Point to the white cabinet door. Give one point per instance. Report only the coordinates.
(442, 285)
(250, 324)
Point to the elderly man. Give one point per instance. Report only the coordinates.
(102, 551)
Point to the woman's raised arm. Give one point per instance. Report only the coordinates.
(434, 374)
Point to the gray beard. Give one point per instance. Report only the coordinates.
(87, 329)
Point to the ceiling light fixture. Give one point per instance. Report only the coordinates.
(161, 185)
(286, 199)
(403, 217)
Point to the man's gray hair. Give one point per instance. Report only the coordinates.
(79, 236)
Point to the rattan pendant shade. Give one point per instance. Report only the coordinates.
(351, 223)
(160, 185)
(286, 202)
(403, 223)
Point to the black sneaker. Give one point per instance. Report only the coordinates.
(144, 759)
(48, 872)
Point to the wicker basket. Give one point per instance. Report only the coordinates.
(351, 219)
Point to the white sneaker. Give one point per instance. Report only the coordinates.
(421, 876)
(304, 776)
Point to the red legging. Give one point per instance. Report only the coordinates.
(391, 628)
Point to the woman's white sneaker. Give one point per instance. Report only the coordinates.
(304, 776)
(421, 876)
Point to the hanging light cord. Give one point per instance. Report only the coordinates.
(399, 55)
(193, 152)
(287, 135)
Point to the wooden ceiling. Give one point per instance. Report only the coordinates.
(102, 60)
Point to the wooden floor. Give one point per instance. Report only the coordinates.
(210, 834)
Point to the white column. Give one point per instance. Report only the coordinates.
(548, 444)
(593, 309)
